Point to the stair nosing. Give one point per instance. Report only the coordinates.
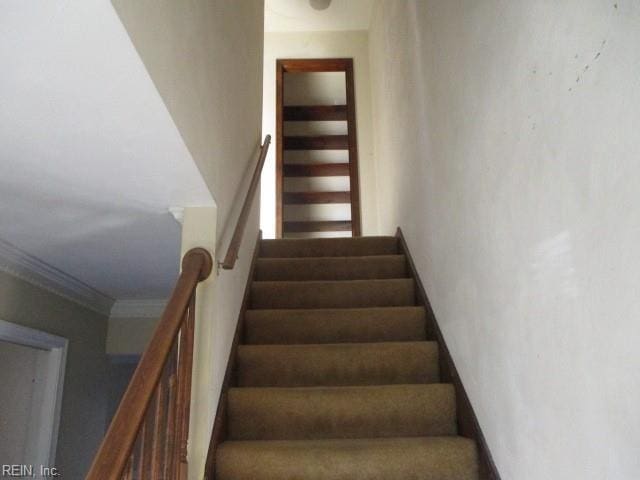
(317, 388)
(358, 257)
(295, 345)
(362, 280)
(339, 309)
(350, 440)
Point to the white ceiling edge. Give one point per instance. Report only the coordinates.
(40, 274)
(146, 308)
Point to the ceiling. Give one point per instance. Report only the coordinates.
(90, 159)
(299, 16)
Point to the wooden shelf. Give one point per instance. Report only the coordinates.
(315, 112)
(316, 170)
(319, 142)
(327, 226)
(303, 198)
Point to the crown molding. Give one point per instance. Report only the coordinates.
(148, 308)
(39, 273)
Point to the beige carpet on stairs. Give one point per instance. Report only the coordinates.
(336, 379)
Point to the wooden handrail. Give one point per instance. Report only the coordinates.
(234, 246)
(163, 376)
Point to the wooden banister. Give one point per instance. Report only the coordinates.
(234, 246)
(147, 436)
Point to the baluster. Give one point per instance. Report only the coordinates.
(177, 436)
(164, 433)
(169, 447)
(185, 362)
(136, 456)
(128, 469)
(147, 445)
(141, 452)
(158, 431)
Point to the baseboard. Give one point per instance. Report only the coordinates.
(468, 425)
(219, 432)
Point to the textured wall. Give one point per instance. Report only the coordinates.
(82, 421)
(507, 150)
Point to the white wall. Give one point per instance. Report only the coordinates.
(320, 45)
(508, 150)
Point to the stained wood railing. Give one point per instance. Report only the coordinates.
(236, 240)
(147, 439)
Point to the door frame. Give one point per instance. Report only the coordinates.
(42, 436)
(310, 65)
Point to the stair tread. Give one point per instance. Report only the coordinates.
(334, 325)
(418, 458)
(331, 268)
(338, 364)
(328, 247)
(333, 293)
(270, 413)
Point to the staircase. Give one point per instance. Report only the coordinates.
(335, 378)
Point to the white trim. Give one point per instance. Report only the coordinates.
(46, 407)
(33, 270)
(150, 308)
(14, 333)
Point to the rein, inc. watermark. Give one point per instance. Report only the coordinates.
(28, 471)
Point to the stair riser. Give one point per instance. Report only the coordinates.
(441, 458)
(394, 324)
(347, 412)
(329, 247)
(346, 294)
(338, 365)
(338, 268)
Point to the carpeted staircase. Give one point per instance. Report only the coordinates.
(336, 379)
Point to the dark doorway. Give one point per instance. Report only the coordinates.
(317, 188)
